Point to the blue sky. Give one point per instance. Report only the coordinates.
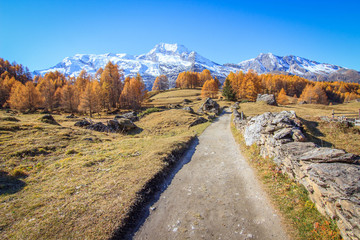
(39, 34)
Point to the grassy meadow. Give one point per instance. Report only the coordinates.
(66, 182)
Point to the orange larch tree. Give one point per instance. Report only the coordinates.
(282, 98)
(161, 83)
(25, 97)
(89, 99)
(210, 89)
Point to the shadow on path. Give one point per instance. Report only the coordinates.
(151, 194)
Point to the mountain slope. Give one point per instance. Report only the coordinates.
(171, 59)
(268, 63)
(168, 59)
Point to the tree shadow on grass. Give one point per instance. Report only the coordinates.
(10, 184)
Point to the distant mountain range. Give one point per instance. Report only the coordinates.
(171, 59)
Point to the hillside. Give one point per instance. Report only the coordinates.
(62, 181)
(67, 182)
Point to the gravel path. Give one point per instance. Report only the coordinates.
(214, 196)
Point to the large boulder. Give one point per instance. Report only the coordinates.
(126, 125)
(130, 115)
(210, 106)
(268, 98)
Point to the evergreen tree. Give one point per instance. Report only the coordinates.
(228, 92)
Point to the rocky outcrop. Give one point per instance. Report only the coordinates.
(210, 106)
(121, 125)
(132, 116)
(268, 98)
(331, 176)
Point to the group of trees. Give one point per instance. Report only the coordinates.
(161, 83)
(107, 90)
(247, 85)
(194, 79)
(14, 70)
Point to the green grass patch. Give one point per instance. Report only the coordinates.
(300, 215)
(148, 111)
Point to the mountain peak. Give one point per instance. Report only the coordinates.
(169, 48)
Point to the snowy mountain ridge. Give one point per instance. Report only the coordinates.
(171, 59)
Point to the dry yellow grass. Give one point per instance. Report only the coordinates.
(77, 188)
(177, 96)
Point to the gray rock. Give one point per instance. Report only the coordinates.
(130, 115)
(126, 124)
(82, 123)
(189, 109)
(198, 121)
(298, 136)
(297, 148)
(323, 155)
(210, 106)
(268, 98)
(283, 133)
(99, 126)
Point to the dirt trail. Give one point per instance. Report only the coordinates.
(214, 196)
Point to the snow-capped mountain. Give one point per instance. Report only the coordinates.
(171, 59)
(265, 63)
(168, 59)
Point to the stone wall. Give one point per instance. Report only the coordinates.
(331, 176)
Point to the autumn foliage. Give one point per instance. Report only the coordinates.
(161, 83)
(193, 79)
(109, 89)
(282, 98)
(248, 85)
(134, 92)
(106, 90)
(25, 97)
(210, 89)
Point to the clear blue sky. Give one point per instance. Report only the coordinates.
(39, 34)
